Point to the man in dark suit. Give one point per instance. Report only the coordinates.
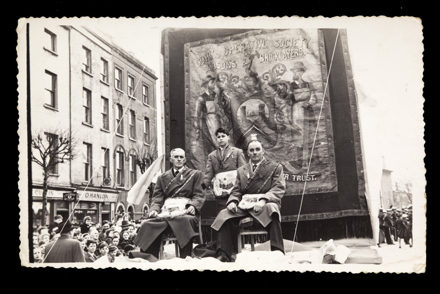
(260, 179)
(221, 165)
(64, 249)
(178, 182)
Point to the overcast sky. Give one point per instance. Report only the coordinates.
(386, 56)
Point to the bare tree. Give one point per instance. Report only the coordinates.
(146, 154)
(48, 150)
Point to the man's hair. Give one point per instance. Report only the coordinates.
(90, 242)
(221, 130)
(175, 149)
(247, 147)
(86, 218)
(58, 216)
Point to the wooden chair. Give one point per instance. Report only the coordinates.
(172, 238)
(246, 229)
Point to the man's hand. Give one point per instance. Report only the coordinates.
(152, 213)
(191, 210)
(259, 205)
(232, 207)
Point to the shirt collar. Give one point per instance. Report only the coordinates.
(258, 163)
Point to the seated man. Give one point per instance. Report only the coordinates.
(180, 182)
(263, 181)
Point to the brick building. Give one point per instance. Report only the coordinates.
(83, 84)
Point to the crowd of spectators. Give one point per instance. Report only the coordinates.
(97, 240)
(396, 225)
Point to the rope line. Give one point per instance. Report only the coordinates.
(314, 140)
(94, 169)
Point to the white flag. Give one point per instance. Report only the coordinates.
(138, 190)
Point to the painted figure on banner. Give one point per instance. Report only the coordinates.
(268, 84)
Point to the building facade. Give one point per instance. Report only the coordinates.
(83, 85)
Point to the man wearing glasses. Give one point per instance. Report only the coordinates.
(178, 183)
(221, 168)
(262, 183)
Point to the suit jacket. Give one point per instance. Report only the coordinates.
(167, 185)
(232, 159)
(65, 249)
(90, 257)
(249, 183)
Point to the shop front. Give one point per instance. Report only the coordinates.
(99, 206)
(55, 205)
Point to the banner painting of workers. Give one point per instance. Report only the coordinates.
(265, 82)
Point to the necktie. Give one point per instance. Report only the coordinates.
(254, 167)
(176, 171)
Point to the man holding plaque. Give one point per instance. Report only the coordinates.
(221, 168)
(257, 192)
(177, 197)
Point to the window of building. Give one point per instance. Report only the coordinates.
(104, 70)
(130, 86)
(50, 89)
(87, 60)
(52, 141)
(87, 105)
(87, 160)
(119, 119)
(104, 113)
(120, 167)
(145, 96)
(146, 130)
(132, 122)
(105, 159)
(118, 78)
(50, 41)
(133, 176)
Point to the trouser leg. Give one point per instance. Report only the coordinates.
(154, 248)
(187, 249)
(227, 237)
(275, 234)
(388, 235)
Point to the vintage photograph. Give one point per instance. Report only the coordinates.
(218, 143)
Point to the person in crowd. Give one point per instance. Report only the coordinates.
(38, 255)
(387, 223)
(94, 234)
(113, 252)
(90, 255)
(127, 249)
(35, 239)
(86, 236)
(43, 230)
(185, 183)
(221, 163)
(131, 231)
(87, 223)
(125, 240)
(45, 238)
(404, 230)
(115, 241)
(105, 228)
(53, 228)
(82, 242)
(262, 181)
(103, 249)
(65, 249)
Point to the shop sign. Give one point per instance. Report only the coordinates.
(98, 197)
(50, 193)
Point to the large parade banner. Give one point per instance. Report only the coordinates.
(270, 83)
